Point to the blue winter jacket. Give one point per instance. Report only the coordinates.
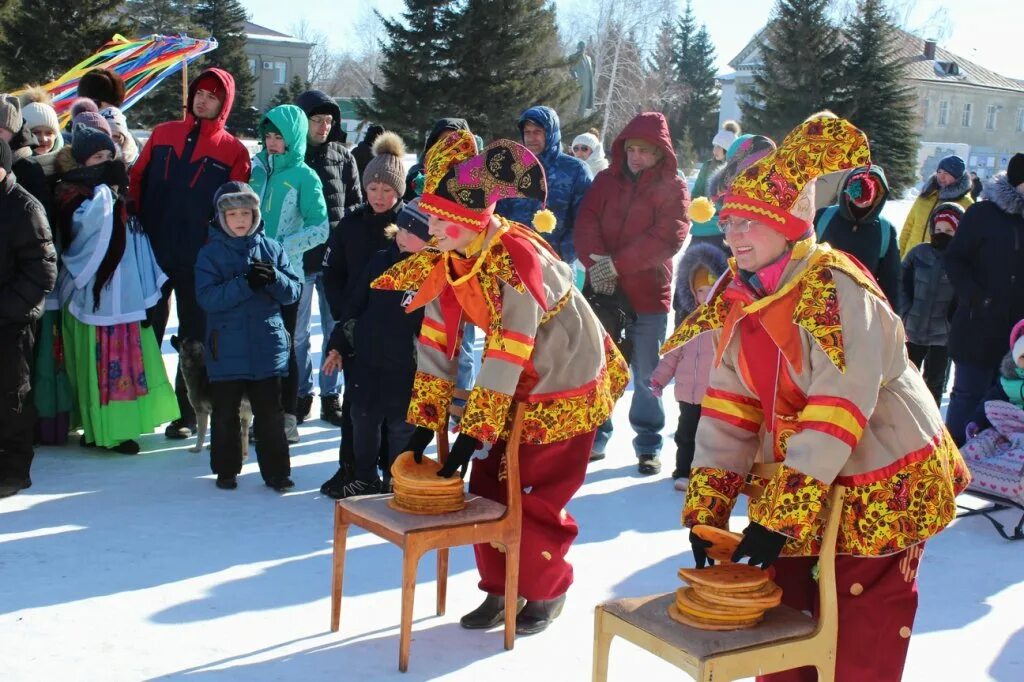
(245, 335)
(568, 180)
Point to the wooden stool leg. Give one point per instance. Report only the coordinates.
(338, 571)
(442, 580)
(511, 592)
(602, 646)
(410, 560)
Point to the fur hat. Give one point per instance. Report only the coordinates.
(778, 190)
(953, 165)
(102, 85)
(6, 156)
(1015, 169)
(386, 165)
(86, 141)
(39, 115)
(236, 194)
(10, 113)
(413, 220)
(727, 135)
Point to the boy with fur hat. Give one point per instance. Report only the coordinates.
(361, 234)
(295, 214)
(375, 330)
(103, 86)
(811, 383)
(950, 182)
(928, 299)
(690, 365)
(243, 281)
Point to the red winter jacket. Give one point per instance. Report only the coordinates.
(640, 223)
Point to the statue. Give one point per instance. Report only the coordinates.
(583, 72)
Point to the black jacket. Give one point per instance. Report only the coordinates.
(337, 170)
(985, 263)
(363, 151)
(379, 333)
(441, 125)
(350, 247)
(28, 261)
(27, 171)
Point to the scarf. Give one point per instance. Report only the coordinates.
(1014, 387)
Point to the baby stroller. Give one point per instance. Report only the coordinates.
(995, 458)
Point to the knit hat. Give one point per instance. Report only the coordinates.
(102, 85)
(91, 119)
(39, 115)
(948, 212)
(10, 113)
(412, 219)
(386, 165)
(83, 104)
(115, 120)
(953, 165)
(211, 84)
(6, 156)
(462, 187)
(778, 190)
(236, 194)
(587, 140)
(86, 141)
(863, 188)
(1015, 169)
(727, 135)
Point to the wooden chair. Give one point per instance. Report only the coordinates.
(785, 639)
(482, 521)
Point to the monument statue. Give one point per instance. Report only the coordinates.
(583, 72)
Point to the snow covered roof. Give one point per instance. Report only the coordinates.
(257, 32)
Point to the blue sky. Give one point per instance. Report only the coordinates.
(984, 31)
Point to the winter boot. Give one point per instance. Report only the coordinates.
(332, 486)
(649, 465)
(330, 409)
(180, 429)
(303, 407)
(12, 486)
(291, 428)
(128, 447)
(489, 614)
(280, 484)
(226, 482)
(536, 616)
(596, 456)
(358, 487)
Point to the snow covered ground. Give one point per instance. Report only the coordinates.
(130, 568)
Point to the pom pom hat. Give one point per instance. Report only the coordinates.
(778, 190)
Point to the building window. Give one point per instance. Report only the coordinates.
(965, 120)
(925, 107)
(990, 117)
(280, 73)
(1020, 120)
(252, 66)
(943, 114)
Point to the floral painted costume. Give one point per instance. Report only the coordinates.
(811, 372)
(544, 347)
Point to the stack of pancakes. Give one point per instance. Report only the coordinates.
(725, 596)
(419, 490)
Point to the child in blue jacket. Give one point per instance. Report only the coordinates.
(243, 279)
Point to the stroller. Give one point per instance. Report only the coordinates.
(995, 458)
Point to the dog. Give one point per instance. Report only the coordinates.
(192, 361)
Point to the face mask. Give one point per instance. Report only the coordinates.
(940, 240)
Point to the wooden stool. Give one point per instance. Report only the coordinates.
(785, 639)
(482, 521)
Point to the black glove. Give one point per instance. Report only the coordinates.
(260, 275)
(419, 441)
(461, 452)
(700, 550)
(115, 173)
(763, 546)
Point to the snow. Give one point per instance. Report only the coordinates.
(127, 568)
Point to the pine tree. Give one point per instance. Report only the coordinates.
(505, 62)
(42, 40)
(287, 94)
(662, 69)
(880, 102)
(411, 92)
(698, 75)
(801, 71)
(225, 21)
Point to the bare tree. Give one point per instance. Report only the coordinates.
(354, 70)
(322, 63)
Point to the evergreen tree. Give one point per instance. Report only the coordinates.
(880, 102)
(42, 40)
(411, 93)
(682, 44)
(663, 73)
(698, 75)
(287, 94)
(505, 62)
(802, 70)
(225, 21)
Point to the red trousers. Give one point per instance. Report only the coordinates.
(551, 474)
(877, 604)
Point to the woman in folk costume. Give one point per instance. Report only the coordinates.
(544, 347)
(811, 371)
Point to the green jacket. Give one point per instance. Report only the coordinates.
(291, 194)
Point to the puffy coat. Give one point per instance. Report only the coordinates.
(915, 228)
(363, 152)
(641, 222)
(245, 335)
(336, 168)
(928, 297)
(441, 126)
(28, 261)
(173, 181)
(985, 263)
(862, 237)
(375, 327)
(291, 195)
(568, 180)
(27, 170)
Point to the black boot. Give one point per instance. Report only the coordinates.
(489, 614)
(536, 616)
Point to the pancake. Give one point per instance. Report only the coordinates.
(422, 476)
(723, 542)
(689, 601)
(726, 577)
(701, 624)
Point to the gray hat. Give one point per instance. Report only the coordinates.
(10, 113)
(237, 194)
(386, 165)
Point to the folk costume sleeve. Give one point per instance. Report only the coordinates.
(435, 372)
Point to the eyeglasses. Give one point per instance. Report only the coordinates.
(738, 226)
(321, 120)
